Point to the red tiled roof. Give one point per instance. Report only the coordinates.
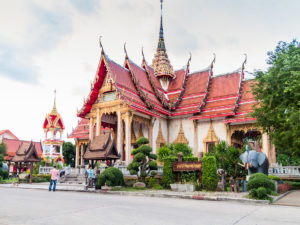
(82, 129)
(9, 132)
(13, 145)
(176, 83)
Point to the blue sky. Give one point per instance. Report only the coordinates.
(47, 45)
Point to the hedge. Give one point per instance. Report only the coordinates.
(168, 174)
(111, 177)
(209, 173)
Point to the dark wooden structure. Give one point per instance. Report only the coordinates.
(25, 156)
(181, 166)
(103, 147)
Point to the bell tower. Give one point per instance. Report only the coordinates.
(53, 128)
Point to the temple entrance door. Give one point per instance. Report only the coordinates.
(239, 138)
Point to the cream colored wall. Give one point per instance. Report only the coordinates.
(188, 128)
(156, 129)
(219, 128)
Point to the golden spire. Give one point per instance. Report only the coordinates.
(161, 63)
(54, 104)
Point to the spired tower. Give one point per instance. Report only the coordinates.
(163, 69)
(53, 127)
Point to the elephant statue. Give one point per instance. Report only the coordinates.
(255, 162)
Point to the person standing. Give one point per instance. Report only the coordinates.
(54, 174)
(90, 177)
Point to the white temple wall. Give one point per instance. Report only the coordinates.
(220, 130)
(155, 132)
(265, 143)
(188, 128)
(202, 132)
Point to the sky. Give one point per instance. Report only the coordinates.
(54, 45)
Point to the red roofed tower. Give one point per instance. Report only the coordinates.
(53, 127)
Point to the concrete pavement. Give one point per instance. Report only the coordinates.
(291, 199)
(36, 207)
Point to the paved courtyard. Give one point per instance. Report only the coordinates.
(24, 206)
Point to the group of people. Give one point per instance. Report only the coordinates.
(90, 175)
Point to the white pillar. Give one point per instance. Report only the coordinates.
(119, 132)
(91, 129)
(128, 137)
(98, 127)
(77, 155)
(60, 151)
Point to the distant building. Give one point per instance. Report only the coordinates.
(53, 127)
(7, 134)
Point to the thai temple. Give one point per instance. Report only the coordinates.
(53, 128)
(166, 106)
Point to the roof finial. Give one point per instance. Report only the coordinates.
(126, 55)
(54, 104)
(189, 61)
(144, 60)
(161, 43)
(243, 65)
(213, 61)
(101, 46)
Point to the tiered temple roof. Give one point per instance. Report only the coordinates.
(14, 145)
(198, 95)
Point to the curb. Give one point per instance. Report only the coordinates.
(280, 196)
(163, 195)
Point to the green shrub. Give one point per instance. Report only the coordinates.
(261, 182)
(189, 177)
(272, 177)
(3, 174)
(209, 173)
(111, 176)
(184, 148)
(261, 193)
(168, 174)
(157, 187)
(283, 159)
(190, 159)
(152, 181)
(163, 152)
(253, 193)
(258, 175)
(294, 185)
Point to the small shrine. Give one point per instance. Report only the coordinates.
(102, 147)
(25, 156)
(53, 127)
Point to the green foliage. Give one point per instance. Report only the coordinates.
(111, 176)
(3, 174)
(143, 160)
(228, 159)
(261, 193)
(163, 152)
(209, 173)
(168, 174)
(272, 177)
(294, 185)
(283, 159)
(189, 177)
(157, 187)
(190, 159)
(260, 181)
(39, 178)
(142, 141)
(2, 152)
(69, 153)
(278, 93)
(258, 175)
(173, 150)
(152, 181)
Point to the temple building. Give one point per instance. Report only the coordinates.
(53, 128)
(167, 106)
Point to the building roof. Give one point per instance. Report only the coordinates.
(2, 132)
(26, 153)
(82, 130)
(13, 145)
(102, 147)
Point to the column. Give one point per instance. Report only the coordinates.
(168, 135)
(60, 151)
(128, 120)
(195, 122)
(150, 133)
(98, 127)
(91, 129)
(77, 155)
(81, 153)
(119, 132)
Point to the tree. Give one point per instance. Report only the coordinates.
(143, 160)
(69, 153)
(173, 150)
(2, 152)
(278, 92)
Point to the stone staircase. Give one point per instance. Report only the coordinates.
(73, 176)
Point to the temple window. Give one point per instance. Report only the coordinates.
(109, 96)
